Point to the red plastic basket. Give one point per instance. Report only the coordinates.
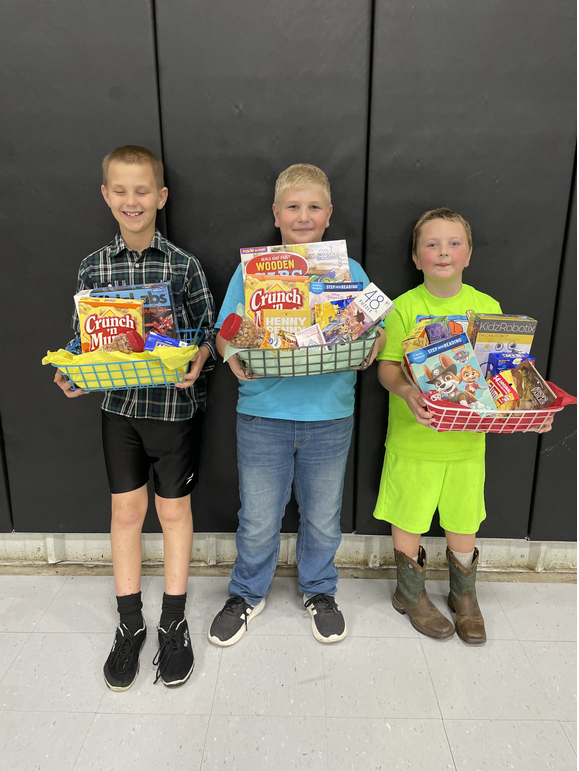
(454, 418)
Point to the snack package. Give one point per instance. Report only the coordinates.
(132, 342)
(504, 395)
(496, 333)
(416, 338)
(499, 362)
(102, 319)
(276, 293)
(158, 306)
(533, 392)
(154, 339)
(325, 261)
(449, 371)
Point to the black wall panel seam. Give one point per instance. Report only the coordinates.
(554, 331)
(561, 262)
(359, 388)
(8, 500)
(167, 207)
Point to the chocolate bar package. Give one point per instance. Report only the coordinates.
(449, 371)
(158, 306)
(496, 333)
(534, 393)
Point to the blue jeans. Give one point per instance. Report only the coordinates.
(271, 456)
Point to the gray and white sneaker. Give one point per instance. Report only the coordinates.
(328, 623)
(230, 624)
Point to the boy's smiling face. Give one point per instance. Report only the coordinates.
(442, 254)
(134, 199)
(303, 215)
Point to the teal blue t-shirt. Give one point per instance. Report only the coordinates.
(308, 398)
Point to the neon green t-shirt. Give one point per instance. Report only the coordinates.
(405, 436)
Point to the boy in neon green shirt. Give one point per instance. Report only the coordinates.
(423, 469)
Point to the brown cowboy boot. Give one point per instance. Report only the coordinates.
(470, 624)
(410, 597)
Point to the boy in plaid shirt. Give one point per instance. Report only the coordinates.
(158, 427)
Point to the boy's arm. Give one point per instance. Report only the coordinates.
(198, 299)
(393, 380)
(59, 379)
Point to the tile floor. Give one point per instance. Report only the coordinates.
(385, 698)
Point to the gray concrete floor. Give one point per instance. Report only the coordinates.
(384, 698)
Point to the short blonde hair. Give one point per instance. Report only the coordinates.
(439, 214)
(300, 176)
(134, 154)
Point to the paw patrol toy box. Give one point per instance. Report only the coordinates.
(449, 371)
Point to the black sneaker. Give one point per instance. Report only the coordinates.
(328, 623)
(174, 659)
(230, 624)
(122, 666)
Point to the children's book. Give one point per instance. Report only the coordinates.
(158, 305)
(449, 371)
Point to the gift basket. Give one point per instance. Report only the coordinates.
(110, 353)
(303, 314)
(446, 366)
(454, 418)
(313, 360)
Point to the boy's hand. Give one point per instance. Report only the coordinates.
(66, 386)
(547, 427)
(195, 368)
(238, 370)
(418, 407)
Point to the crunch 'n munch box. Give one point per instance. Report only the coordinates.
(102, 319)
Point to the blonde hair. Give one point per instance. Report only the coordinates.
(439, 214)
(134, 154)
(300, 176)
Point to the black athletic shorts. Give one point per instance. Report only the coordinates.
(131, 446)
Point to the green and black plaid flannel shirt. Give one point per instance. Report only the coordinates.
(116, 265)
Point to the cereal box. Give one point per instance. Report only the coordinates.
(449, 371)
(276, 293)
(497, 333)
(102, 319)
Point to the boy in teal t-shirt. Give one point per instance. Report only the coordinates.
(424, 469)
(292, 432)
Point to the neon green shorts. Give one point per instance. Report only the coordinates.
(410, 491)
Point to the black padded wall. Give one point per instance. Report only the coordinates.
(246, 90)
(472, 108)
(554, 512)
(465, 104)
(79, 79)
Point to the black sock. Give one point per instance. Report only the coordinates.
(129, 607)
(173, 609)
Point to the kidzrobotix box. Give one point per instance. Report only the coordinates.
(495, 333)
(449, 371)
